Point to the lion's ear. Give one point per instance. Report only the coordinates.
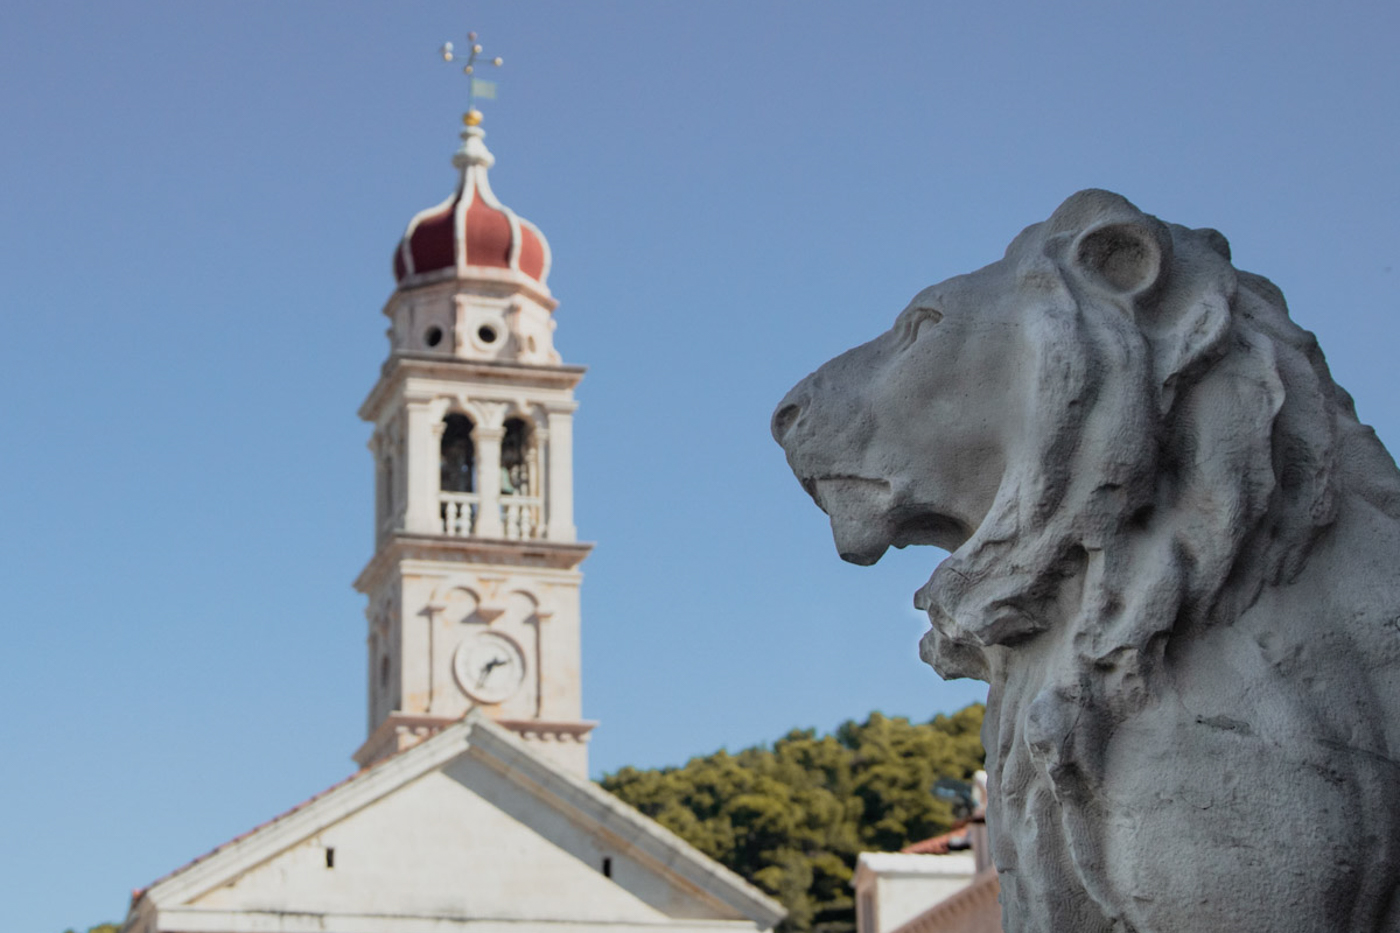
(1126, 258)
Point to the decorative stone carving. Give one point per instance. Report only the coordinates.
(1174, 556)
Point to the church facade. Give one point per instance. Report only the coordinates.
(471, 810)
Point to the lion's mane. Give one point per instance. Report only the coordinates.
(1184, 454)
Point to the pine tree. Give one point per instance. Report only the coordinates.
(793, 817)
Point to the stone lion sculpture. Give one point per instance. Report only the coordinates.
(1175, 558)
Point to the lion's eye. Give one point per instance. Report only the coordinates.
(915, 319)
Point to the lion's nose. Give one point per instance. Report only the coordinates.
(784, 418)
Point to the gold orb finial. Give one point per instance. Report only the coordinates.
(472, 117)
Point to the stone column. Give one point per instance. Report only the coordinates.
(539, 470)
(424, 437)
(488, 481)
(560, 476)
(383, 499)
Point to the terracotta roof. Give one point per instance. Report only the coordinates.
(974, 909)
(955, 840)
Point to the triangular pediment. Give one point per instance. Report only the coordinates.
(467, 828)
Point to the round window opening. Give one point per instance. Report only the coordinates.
(433, 336)
(487, 333)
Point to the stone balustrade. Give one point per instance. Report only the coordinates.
(521, 516)
(459, 511)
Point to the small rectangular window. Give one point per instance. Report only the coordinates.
(607, 868)
(330, 857)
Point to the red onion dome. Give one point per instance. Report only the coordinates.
(471, 230)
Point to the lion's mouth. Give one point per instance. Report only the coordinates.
(925, 526)
(866, 521)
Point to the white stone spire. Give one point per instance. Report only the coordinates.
(473, 151)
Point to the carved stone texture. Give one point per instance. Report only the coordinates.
(1174, 555)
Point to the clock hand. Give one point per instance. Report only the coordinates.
(487, 668)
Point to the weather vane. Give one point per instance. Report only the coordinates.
(480, 87)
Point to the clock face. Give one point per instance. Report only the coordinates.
(489, 667)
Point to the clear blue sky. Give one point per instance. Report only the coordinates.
(197, 207)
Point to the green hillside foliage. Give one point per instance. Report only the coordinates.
(791, 818)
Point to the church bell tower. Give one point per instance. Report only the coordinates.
(474, 585)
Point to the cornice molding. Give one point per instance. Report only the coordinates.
(532, 554)
(418, 724)
(403, 365)
(488, 281)
(544, 730)
(203, 920)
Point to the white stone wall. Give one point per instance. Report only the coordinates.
(902, 885)
(509, 320)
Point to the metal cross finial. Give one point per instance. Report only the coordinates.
(479, 87)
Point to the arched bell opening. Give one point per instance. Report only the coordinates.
(458, 502)
(458, 463)
(516, 468)
(521, 506)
